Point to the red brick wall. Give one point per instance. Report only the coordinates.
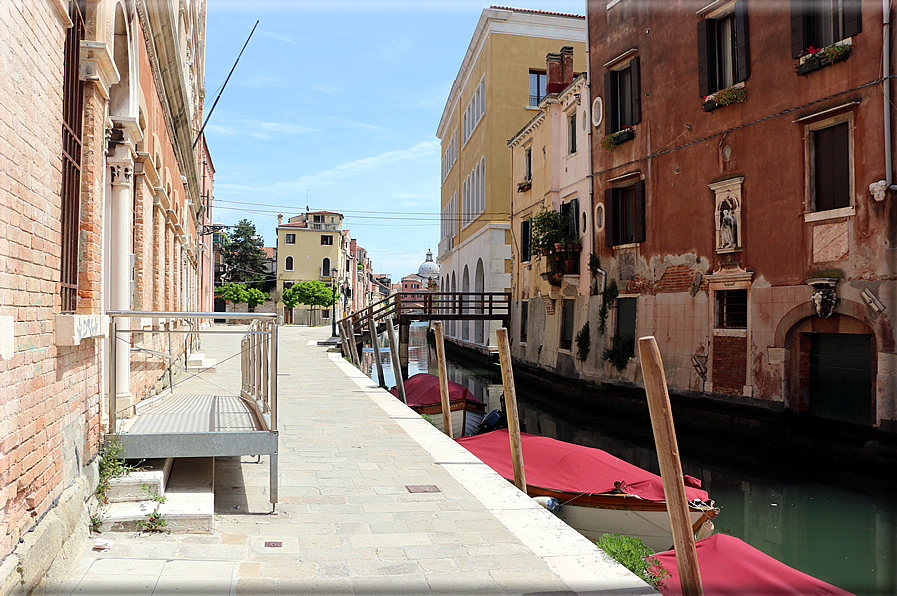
(729, 364)
(678, 278)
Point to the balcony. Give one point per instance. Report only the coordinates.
(332, 227)
(328, 273)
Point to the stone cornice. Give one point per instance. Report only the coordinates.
(530, 126)
(96, 66)
(144, 166)
(62, 11)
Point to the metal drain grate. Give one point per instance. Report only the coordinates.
(273, 544)
(423, 488)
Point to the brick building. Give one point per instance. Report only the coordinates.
(100, 196)
(742, 169)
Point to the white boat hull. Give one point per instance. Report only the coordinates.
(653, 527)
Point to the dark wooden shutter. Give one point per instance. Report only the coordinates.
(742, 53)
(799, 29)
(524, 240)
(853, 21)
(706, 67)
(831, 167)
(610, 220)
(610, 115)
(574, 219)
(639, 211)
(635, 73)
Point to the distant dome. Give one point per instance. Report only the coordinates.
(429, 269)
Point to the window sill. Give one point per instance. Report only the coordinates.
(830, 214)
(811, 63)
(533, 108)
(625, 246)
(730, 332)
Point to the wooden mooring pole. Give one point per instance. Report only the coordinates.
(670, 466)
(375, 345)
(394, 353)
(443, 380)
(507, 377)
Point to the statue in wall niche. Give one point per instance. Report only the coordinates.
(728, 225)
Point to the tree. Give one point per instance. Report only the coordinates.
(239, 293)
(244, 254)
(311, 292)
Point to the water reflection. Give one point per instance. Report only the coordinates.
(843, 534)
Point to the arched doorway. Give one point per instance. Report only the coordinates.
(465, 287)
(479, 285)
(832, 368)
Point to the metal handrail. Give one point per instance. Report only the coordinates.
(259, 361)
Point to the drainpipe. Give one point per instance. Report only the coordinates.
(886, 90)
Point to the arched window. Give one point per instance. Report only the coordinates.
(325, 267)
(288, 264)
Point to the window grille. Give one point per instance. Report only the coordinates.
(72, 108)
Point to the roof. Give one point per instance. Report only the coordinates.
(269, 251)
(533, 11)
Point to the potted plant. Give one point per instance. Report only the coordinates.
(547, 228)
(524, 186)
(615, 138)
(815, 58)
(724, 97)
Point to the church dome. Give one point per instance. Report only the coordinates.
(428, 268)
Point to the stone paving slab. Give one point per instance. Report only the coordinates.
(346, 523)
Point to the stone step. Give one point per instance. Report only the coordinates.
(189, 501)
(141, 484)
(198, 362)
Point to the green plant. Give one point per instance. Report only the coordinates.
(607, 299)
(428, 418)
(583, 342)
(613, 139)
(547, 228)
(621, 350)
(594, 264)
(632, 553)
(830, 273)
(111, 465)
(153, 495)
(154, 522)
(730, 95)
(96, 523)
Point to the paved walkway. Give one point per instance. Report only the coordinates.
(346, 522)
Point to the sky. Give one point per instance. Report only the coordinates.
(334, 106)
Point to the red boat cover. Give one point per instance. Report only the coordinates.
(556, 465)
(422, 389)
(731, 567)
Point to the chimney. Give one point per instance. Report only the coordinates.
(279, 219)
(560, 70)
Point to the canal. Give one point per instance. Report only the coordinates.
(844, 533)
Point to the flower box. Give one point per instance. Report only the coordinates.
(710, 105)
(816, 59)
(612, 140)
(524, 186)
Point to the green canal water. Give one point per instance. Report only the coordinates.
(843, 533)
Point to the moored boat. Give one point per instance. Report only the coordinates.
(732, 567)
(597, 492)
(422, 395)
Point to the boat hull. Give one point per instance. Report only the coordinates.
(466, 417)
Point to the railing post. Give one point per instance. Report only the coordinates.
(113, 332)
(375, 345)
(396, 365)
(273, 397)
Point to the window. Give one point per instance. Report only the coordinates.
(723, 58)
(318, 218)
(821, 23)
(450, 156)
(622, 90)
(476, 109)
(731, 309)
(528, 164)
(567, 312)
(326, 240)
(525, 237)
(288, 264)
(290, 239)
(571, 134)
(325, 268)
(626, 310)
(830, 167)
(538, 83)
(72, 108)
(524, 320)
(473, 194)
(625, 210)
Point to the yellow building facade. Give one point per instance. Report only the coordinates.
(496, 92)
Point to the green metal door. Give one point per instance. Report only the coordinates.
(841, 377)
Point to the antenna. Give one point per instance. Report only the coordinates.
(199, 134)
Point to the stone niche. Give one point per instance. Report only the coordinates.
(727, 214)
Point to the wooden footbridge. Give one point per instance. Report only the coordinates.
(404, 308)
